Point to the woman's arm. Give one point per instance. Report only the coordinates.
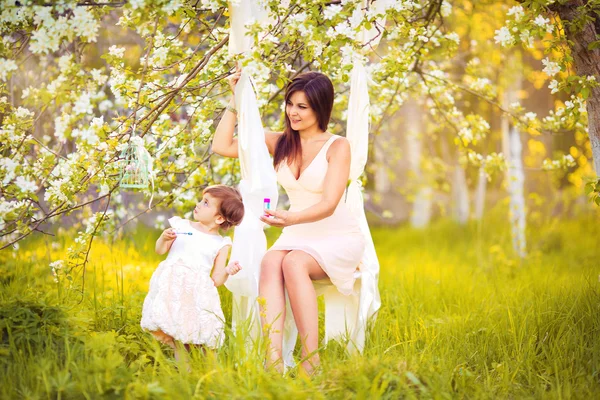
(224, 143)
(336, 180)
(220, 271)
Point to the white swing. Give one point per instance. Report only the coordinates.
(346, 317)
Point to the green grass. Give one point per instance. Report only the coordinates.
(461, 318)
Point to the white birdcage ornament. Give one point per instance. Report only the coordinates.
(136, 165)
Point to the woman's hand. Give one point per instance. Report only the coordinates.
(278, 218)
(233, 268)
(233, 79)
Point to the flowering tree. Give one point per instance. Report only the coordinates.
(570, 33)
(71, 91)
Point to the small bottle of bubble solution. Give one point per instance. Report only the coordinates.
(267, 203)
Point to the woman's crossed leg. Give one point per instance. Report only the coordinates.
(292, 270)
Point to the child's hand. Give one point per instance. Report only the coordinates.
(169, 235)
(233, 268)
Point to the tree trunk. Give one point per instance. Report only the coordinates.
(460, 191)
(382, 180)
(480, 194)
(587, 63)
(516, 189)
(421, 210)
(515, 177)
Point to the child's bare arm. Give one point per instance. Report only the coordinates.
(164, 242)
(220, 271)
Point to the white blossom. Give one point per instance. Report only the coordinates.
(116, 51)
(43, 41)
(9, 168)
(43, 15)
(23, 113)
(84, 24)
(554, 86)
(25, 93)
(480, 83)
(454, 37)
(504, 37)
(98, 77)
(159, 56)
(466, 134)
(61, 124)
(298, 18)
(342, 29)
(56, 84)
(518, 12)
(65, 63)
(105, 105)
(526, 38)
(6, 66)
(135, 4)
(446, 8)
(331, 11)
(551, 68)
(171, 6)
(86, 135)
(541, 21)
(347, 53)
(26, 185)
(83, 105)
(530, 116)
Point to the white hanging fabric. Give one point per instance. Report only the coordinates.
(241, 12)
(258, 181)
(358, 136)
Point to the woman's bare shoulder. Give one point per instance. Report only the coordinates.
(339, 145)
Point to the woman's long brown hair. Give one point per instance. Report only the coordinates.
(319, 91)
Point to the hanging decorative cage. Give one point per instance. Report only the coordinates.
(136, 167)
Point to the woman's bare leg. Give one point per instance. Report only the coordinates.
(299, 270)
(271, 289)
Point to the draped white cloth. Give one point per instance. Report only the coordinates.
(258, 180)
(345, 316)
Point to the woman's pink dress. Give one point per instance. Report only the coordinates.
(335, 242)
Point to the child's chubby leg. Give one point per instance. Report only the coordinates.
(164, 338)
(169, 341)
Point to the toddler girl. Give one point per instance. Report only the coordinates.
(183, 303)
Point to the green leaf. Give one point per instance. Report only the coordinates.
(589, 188)
(585, 92)
(594, 45)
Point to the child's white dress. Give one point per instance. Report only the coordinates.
(182, 300)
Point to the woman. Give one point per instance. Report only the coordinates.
(321, 238)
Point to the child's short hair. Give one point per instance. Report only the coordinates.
(230, 207)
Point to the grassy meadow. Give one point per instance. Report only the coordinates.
(461, 318)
